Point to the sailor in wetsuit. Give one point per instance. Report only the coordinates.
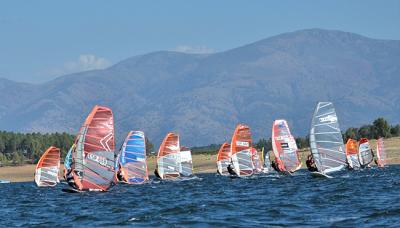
(311, 164)
(274, 166)
(231, 170)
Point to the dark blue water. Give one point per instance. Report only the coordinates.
(368, 198)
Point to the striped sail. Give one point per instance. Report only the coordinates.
(352, 154)
(132, 158)
(224, 159)
(186, 167)
(93, 156)
(326, 139)
(284, 147)
(46, 173)
(365, 155)
(168, 158)
(241, 151)
(380, 153)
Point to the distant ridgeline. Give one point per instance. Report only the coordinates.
(25, 148)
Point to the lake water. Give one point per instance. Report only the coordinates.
(369, 197)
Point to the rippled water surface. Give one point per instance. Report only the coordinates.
(368, 197)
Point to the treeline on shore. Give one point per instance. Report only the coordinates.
(26, 148)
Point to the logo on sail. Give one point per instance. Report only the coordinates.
(328, 118)
(240, 143)
(101, 160)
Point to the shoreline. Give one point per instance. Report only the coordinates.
(202, 163)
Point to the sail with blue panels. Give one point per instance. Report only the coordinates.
(68, 158)
(132, 159)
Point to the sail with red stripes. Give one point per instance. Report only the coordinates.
(241, 145)
(224, 159)
(352, 154)
(132, 159)
(365, 155)
(284, 147)
(168, 158)
(93, 156)
(46, 173)
(380, 153)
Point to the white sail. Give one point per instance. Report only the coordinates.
(326, 139)
(365, 155)
(186, 166)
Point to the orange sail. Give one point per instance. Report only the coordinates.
(224, 159)
(93, 156)
(168, 158)
(241, 151)
(352, 154)
(46, 173)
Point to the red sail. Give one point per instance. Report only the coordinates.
(93, 156)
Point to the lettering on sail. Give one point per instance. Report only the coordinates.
(328, 118)
(99, 159)
(240, 143)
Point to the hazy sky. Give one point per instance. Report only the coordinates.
(40, 40)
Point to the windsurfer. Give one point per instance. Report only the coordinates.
(311, 164)
(274, 166)
(230, 170)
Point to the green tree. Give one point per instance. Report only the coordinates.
(395, 130)
(382, 128)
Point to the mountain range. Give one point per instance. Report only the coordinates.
(203, 96)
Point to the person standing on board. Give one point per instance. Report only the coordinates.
(231, 170)
(311, 164)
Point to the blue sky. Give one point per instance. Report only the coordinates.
(40, 40)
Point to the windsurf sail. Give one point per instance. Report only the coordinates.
(68, 162)
(326, 140)
(224, 159)
(380, 153)
(46, 174)
(186, 167)
(352, 154)
(241, 151)
(365, 155)
(257, 164)
(284, 147)
(168, 158)
(266, 160)
(93, 156)
(132, 159)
